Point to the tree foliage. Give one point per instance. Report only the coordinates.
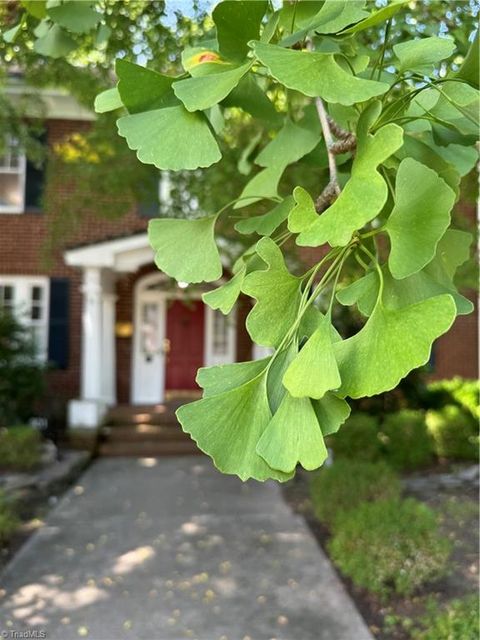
(386, 129)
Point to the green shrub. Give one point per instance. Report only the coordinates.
(389, 545)
(8, 520)
(20, 448)
(357, 439)
(22, 380)
(454, 432)
(459, 620)
(347, 483)
(406, 441)
(465, 393)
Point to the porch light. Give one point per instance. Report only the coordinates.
(183, 285)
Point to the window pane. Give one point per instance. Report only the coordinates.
(7, 293)
(11, 192)
(220, 333)
(37, 293)
(36, 313)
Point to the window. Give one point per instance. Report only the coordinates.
(220, 334)
(12, 177)
(28, 298)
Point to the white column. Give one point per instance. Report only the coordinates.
(108, 343)
(92, 334)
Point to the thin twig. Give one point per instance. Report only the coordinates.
(332, 190)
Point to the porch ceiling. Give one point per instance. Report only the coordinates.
(121, 254)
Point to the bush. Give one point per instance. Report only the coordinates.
(389, 545)
(347, 483)
(458, 621)
(8, 520)
(21, 375)
(20, 448)
(357, 439)
(406, 440)
(455, 433)
(464, 393)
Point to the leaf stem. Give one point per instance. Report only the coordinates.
(377, 267)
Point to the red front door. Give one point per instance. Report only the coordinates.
(185, 335)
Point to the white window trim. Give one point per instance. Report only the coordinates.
(22, 286)
(22, 173)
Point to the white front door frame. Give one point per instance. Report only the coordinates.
(149, 370)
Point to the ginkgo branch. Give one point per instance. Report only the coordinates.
(332, 190)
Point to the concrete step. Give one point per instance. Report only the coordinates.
(161, 415)
(148, 449)
(143, 433)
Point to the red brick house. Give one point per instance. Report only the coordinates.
(116, 330)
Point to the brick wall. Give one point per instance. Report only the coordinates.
(21, 240)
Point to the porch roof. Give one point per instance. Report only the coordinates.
(124, 254)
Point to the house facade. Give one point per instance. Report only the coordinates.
(115, 329)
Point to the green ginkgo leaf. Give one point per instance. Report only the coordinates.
(143, 89)
(421, 215)
(263, 185)
(314, 371)
(335, 15)
(316, 74)
(76, 15)
(277, 293)
(108, 100)
(252, 99)
(304, 214)
(293, 437)
(186, 249)
(290, 145)
(225, 377)
(266, 224)
(376, 17)
(203, 92)
(390, 345)
(225, 297)
(54, 42)
(364, 195)
(332, 412)
(237, 22)
(163, 137)
(422, 54)
(228, 426)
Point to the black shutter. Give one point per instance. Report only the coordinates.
(58, 330)
(35, 181)
(149, 204)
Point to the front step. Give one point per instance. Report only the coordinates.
(148, 449)
(143, 433)
(159, 414)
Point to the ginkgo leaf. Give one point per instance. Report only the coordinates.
(266, 224)
(54, 42)
(332, 412)
(376, 17)
(365, 288)
(314, 371)
(108, 100)
(263, 185)
(252, 99)
(11, 34)
(203, 92)
(225, 297)
(419, 219)
(76, 15)
(422, 54)
(469, 68)
(293, 437)
(36, 8)
(316, 74)
(390, 345)
(228, 426)
(276, 370)
(163, 137)
(225, 377)
(277, 293)
(186, 249)
(364, 195)
(304, 214)
(237, 22)
(335, 15)
(143, 89)
(290, 144)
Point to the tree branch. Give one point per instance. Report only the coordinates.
(332, 190)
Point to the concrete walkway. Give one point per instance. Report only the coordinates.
(170, 549)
